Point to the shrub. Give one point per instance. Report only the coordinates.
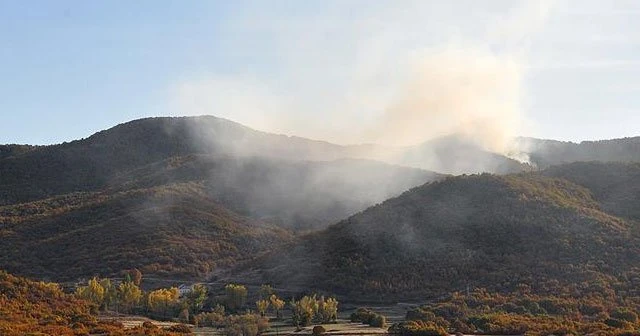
(148, 325)
(378, 321)
(625, 315)
(318, 330)
(417, 328)
(180, 328)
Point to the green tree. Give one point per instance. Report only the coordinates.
(110, 294)
(266, 291)
(196, 297)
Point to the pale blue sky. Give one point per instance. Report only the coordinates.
(333, 70)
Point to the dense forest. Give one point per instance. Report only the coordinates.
(580, 309)
(172, 230)
(495, 232)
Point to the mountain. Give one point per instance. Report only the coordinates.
(172, 197)
(298, 195)
(175, 230)
(487, 231)
(31, 173)
(615, 185)
(259, 174)
(457, 155)
(545, 153)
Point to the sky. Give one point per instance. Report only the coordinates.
(392, 72)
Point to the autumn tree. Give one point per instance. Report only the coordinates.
(303, 310)
(160, 300)
(93, 292)
(327, 310)
(277, 304)
(235, 296)
(262, 306)
(129, 295)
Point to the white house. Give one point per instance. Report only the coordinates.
(185, 289)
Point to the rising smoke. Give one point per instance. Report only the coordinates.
(374, 89)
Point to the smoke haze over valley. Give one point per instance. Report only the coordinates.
(320, 168)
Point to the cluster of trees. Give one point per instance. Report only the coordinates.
(163, 303)
(313, 309)
(38, 308)
(418, 328)
(368, 316)
(525, 313)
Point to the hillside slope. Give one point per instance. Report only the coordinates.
(615, 185)
(545, 153)
(169, 231)
(261, 175)
(294, 194)
(29, 173)
(481, 230)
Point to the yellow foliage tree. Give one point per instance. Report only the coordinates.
(160, 300)
(277, 304)
(129, 295)
(93, 292)
(262, 306)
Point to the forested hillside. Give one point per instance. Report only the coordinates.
(495, 232)
(175, 230)
(545, 153)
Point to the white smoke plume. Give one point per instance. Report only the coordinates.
(385, 75)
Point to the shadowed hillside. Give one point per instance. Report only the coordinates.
(31, 173)
(173, 230)
(481, 230)
(545, 153)
(294, 194)
(616, 186)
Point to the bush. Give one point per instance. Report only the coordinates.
(180, 328)
(417, 328)
(212, 319)
(616, 323)
(148, 325)
(378, 321)
(625, 315)
(318, 330)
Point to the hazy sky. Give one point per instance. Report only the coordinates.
(345, 71)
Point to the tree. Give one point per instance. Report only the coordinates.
(303, 310)
(262, 306)
(266, 291)
(129, 295)
(327, 309)
(136, 276)
(245, 325)
(235, 296)
(196, 297)
(277, 304)
(93, 292)
(160, 300)
(110, 294)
